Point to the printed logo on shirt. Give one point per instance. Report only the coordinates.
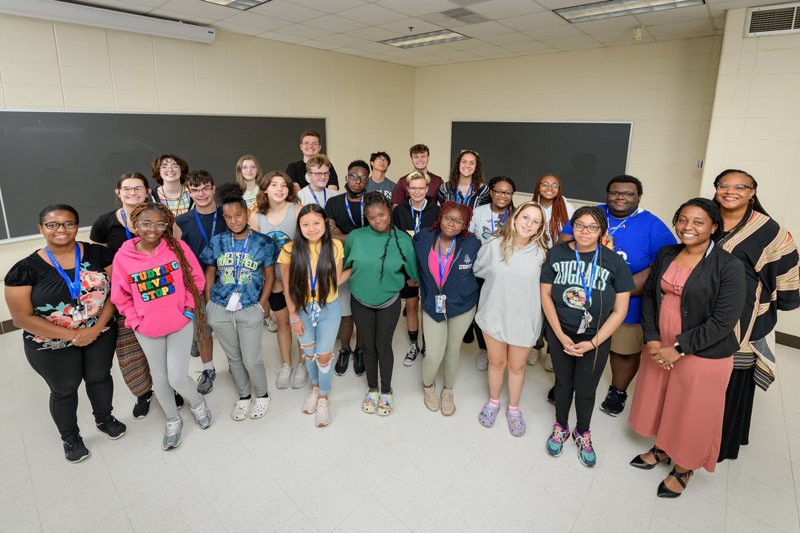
(156, 282)
(279, 237)
(467, 263)
(575, 298)
(226, 267)
(568, 273)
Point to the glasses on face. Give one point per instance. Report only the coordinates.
(591, 228)
(320, 174)
(382, 160)
(168, 167)
(457, 222)
(205, 189)
(502, 193)
(739, 187)
(132, 189)
(69, 224)
(626, 194)
(548, 185)
(417, 189)
(354, 177)
(160, 226)
(310, 144)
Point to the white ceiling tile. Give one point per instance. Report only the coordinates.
(557, 32)
(401, 53)
(236, 28)
(470, 44)
(328, 6)
(458, 55)
(420, 26)
(374, 33)
(182, 16)
(558, 4)
(199, 9)
(372, 15)
(508, 38)
(274, 36)
(319, 44)
(415, 8)
(254, 20)
(495, 53)
(526, 48)
(545, 19)
(335, 24)
(341, 39)
(620, 36)
(670, 16)
(306, 32)
(571, 43)
(664, 30)
(485, 29)
(286, 11)
(606, 25)
(500, 9)
(148, 3)
(374, 48)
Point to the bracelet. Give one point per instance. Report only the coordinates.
(593, 344)
(188, 315)
(294, 320)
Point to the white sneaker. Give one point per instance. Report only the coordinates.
(240, 409)
(271, 323)
(533, 357)
(284, 376)
(323, 413)
(260, 407)
(482, 362)
(310, 405)
(548, 363)
(300, 376)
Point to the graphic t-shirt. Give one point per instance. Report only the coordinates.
(50, 295)
(637, 240)
(234, 262)
(484, 220)
(563, 273)
(386, 187)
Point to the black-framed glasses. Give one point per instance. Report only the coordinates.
(591, 228)
(502, 193)
(362, 179)
(52, 226)
(207, 188)
(132, 189)
(626, 194)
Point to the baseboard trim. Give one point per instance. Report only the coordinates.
(792, 341)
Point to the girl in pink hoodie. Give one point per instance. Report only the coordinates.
(156, 284)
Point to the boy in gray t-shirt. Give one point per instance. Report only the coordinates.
(379, 162)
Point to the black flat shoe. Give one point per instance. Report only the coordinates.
(665, 492)
(638, 462)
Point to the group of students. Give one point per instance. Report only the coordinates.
(596, 283)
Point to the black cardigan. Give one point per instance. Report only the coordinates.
(711, 302)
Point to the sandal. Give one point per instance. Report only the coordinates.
(638, 462)
(666, 492)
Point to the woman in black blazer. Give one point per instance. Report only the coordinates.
(691, 302)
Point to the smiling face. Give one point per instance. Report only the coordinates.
(132, 192)
(170, 170)
(420, 161)
(378, 217)
(357, 178)
(622, 199)
(548, 187)
(528, 222)
(738, 192)
(466, 167)
(452, 223)
(586, 231)
(235, 216)
(203, 195)
(319, 176)
(694, 226)
(61, 235)
(501, 193)
(310, 145)
(417, 188)
(147, 226)
(277, 190)
(249, 170)
(312, 226)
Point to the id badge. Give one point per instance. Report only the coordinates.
(79, 311)
(233, 302)
(585, 321)
(314, 308)
(440, 303)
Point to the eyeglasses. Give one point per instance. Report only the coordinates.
(320, 174)
(626, 194)
(132, 189)
(167, 167)
(457, 222)
(502, 193)
(547, 185)
(739, 187)
(382, 160)
(160, 226)
(592, 228)
(205, 189)
(417, 189)
(310, 144)
(69, 224)
(357, 177)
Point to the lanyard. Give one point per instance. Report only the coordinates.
(125, 223)
(73, 285)
(611, 234)
(350, 214)
(324, 198)
(587, 290)
(417, 219)
(499, 224)
(237, 265)
(199, 225)
(442, 267)
(312, 274)
(466, 196)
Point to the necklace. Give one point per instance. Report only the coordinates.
(151, 254)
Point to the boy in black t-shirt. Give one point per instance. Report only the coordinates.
(310, 144)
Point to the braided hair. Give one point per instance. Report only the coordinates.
(754, 205)
(377, 199)
(558, 211)
(298, 267)
(186, 268)
(711, 208)
(466, 214)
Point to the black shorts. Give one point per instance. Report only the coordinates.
(277, 301)
(408, 291)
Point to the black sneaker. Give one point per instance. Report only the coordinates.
(358, 362)
(551, 395)
(142, 406)
(178, 400)
(112, 427)
(614, 403)
(74, 450)
(342, 362)
(412, 354)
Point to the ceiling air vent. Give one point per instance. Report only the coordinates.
(773, 20)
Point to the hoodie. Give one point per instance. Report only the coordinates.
(402, 218)
(149, 290)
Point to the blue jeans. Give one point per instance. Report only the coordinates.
(322, 338)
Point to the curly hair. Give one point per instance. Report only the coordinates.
(466, 214)
(155, 167)
(711, 208)
(754, 205)
(231, 193)
(558, 211)
(186, 268)
(262, 201)
(455, 172)
(377, 198)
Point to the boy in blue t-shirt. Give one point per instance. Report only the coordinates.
(636, 235)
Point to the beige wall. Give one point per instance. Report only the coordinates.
(755, 124)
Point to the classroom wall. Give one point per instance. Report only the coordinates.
(755, 124)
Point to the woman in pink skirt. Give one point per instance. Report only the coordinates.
(691, 303)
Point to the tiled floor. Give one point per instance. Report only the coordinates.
(412, 471)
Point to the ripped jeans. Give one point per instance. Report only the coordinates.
(320, 339)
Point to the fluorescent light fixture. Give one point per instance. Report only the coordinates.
(238, 4)
(106, 18)
(618, 8)
(425, 39)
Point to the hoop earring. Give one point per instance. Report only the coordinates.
(751, 201)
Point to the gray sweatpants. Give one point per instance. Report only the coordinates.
(239, 334)
(168, 358)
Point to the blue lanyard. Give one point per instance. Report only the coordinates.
(312, 274)
(73, 285)
(237, 265)
(611, 234)
(417, 219)
(587, 290)
(213, 225)
(499, 224)
(442, 267)
(466, 196)
(350, 213)
(324, 197)
(125, 223)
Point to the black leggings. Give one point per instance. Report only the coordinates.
(578, 375)
(64, 369)
(376, 327)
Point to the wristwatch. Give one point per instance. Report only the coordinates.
(679, 349)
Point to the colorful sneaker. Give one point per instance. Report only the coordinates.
(482, 362)
(112, 427)
(300, 376)
(240, 409)
(310, 405)
(488, 415)
(74, 449)
(370, 403)
(172, 433)
(585, 450)
(555, 444)
(411, 355)
(202, 414)
(516, 425)
(386, 404)
(284, 376)
(323, 417)
(614, 403)
(205, 383)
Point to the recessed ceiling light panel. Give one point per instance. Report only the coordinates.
(238, 4)
(426, 39)
(618, 8)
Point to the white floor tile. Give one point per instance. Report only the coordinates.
(607, 510)
(371, 515)
(760, 500)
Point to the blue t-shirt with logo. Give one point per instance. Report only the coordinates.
(638, 241)
(232, 259)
